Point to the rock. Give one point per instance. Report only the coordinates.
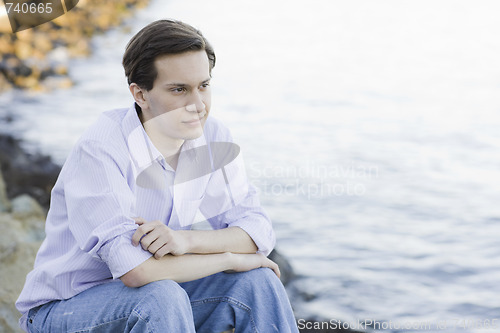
(29, 82)
(9, 238)
(4, 84)
(22, 231)
(25, 35)
(58, 56)
(286, 269)
(61, 69)
(17, 255)
(42, 43)
(6, 44)
(4, 202)
(24, 206)
(80, 48)
(32, 174)
(23, 49)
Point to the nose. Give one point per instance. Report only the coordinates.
(196, 103)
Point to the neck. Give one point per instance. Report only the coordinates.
(167, 146)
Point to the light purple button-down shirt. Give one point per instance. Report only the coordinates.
(114, 174)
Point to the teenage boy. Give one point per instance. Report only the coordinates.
(123, 248)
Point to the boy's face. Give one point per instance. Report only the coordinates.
(178, 105)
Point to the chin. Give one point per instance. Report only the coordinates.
(195, 134)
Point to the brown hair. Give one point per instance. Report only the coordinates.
(157, 39)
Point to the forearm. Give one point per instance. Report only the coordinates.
(190, 267)
(232, 239)
(177, 268)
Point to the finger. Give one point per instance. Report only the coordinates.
(164, 250)
(277, 271)
(139, 220)
(274, 266)
(158, 234)
(136, 237)
(149, 238)
(157, 244)
(141, 232)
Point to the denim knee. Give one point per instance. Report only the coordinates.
(162, 306)
(261, 277)
(163, 294)
(261, 282)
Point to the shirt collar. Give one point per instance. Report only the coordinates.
(141, 149)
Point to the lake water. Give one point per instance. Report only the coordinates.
(371, 130)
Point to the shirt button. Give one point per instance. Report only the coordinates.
(30, 321)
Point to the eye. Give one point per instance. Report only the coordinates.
(178, 90)
(205, 85)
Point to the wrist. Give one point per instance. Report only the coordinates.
(230, 260)
(188, 240)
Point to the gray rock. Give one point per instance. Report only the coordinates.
(23, 172)
(24, 206)
(17, 255)
(4, 201)
(287, 273)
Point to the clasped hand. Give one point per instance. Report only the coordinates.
(159, 239)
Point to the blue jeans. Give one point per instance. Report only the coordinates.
(253, 301)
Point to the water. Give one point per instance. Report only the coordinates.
(371, 129)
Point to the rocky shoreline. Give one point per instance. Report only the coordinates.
(37, 58)
(22, 221)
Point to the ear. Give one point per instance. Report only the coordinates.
(139, 95)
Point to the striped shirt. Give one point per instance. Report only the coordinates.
(113, 174)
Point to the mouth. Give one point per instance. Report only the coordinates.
(195, 121)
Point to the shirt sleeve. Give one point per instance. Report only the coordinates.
(239, 204)
(249, 216)
(100, 205)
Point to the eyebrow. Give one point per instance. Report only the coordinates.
(174, 84)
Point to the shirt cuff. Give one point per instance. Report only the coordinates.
(121, 256)
(261, 233)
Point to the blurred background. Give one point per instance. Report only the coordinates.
(371, 129)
